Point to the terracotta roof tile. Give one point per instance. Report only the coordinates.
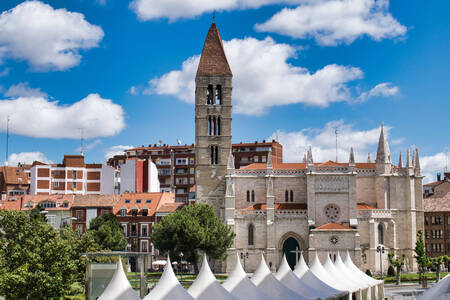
(364, 206)
(151, 205)
(437, 204)
(14, 175)
(95, 200)
(37, 199)
(169, 207)
(334, 226)
(213, 60)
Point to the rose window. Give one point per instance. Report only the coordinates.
(332, 212)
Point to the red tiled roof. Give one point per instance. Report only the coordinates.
(169, 207)
(10, 205)
(95, 200)
(154, 197)
(14, 175)
(333, 226)
(364, 206)
(278, 206)
(433, 184)
(437, 204)
(34, 200)
(213, 60)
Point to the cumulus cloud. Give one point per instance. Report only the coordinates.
(331, 22)
(433, 164)
(23, 89)
(39, 117)
(177, 9)
(133, 90)
(116, 150)
(47, 38)
(263, 78)
(385, 89)
(323, 142)
(27, 158)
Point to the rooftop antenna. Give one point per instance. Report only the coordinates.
(336, 133)
(159, 142)
(81, 140)
(7, 139)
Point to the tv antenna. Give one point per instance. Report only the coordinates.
(81, 140)
(336, 132)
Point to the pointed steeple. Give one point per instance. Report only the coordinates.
(309, 157)
(400, 162)
(269, 161)
(413, 159)
(351, 160)
(416, 160)
(230, 164)
(304, 158)
(213, 61)
(368, 157)
(383, 153)
(408, 159)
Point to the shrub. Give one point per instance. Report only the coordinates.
(391, 271)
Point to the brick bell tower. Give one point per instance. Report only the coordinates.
(213, 116)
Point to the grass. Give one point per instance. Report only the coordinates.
(412, 277)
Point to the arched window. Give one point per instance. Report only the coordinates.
(209, 126)
(218, 125)
(380, 234)
(248, 196)
(251, 233)
(286, 196)
(253, 196)
(209, 94)
(214, 152)
(218, 95)
(292, 196)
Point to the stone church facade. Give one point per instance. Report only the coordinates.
(308, 207)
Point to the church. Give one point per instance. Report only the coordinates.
(368, 208)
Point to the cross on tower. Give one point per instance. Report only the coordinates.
(297, 254)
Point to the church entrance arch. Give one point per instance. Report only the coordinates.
(291, 245)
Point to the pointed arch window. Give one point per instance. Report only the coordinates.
(218, 95)
(286, 196)
(248, 196)
(253, 196)
(380, 234)
(209, 94)
(292, 196)
(214, 153)
(214, 125)
(251, 233)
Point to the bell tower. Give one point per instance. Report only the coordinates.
(213, 116)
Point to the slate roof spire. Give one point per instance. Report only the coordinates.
(213, 61)
(383, 153)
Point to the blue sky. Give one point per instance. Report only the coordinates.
(123, 71)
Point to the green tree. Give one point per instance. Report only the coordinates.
(437, 262)
(421, 256)
(192, 230)
(107, 232)
(397, 263)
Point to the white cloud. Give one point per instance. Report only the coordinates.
(433, 164)
(47, 38)
(27, 158)
(133, 90)
(39, 117)
(331, 22)
(385, 89)
(177, 9)
(323, 142)
(116, 150)
(23, 89)
(89, 147)
(263, 78)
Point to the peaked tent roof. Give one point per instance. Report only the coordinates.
(318, 270)
(206, 287)
(119, 287)
(240, 286)
(213, 60)
(265, 280)
(355, 277)
(440, 291)
(168, 287)
(304, 273)
(289, 279)
(332, 271)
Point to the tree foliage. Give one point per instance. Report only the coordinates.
(107, 232)
(397, 263)
(192, 230)
(437, 262)
(421, 256)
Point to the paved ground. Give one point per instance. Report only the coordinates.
(407, 291)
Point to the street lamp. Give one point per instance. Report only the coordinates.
(380, 249)
(244, 256)
(181, 264)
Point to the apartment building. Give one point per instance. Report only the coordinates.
(72, 176)
(87, 207)
(176, 164)
(437, 225)
(138, 176)
(13, 181)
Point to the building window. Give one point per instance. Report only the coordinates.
(209, 94)
(144, 212)
(191, 171)
(56, 184)
(213, 125)
(133, 231)
(148, 201)
(79, 214)
(218, 95)
(123, 212)
(292, 196)
(127, 201)
(255, 159)
(56, 172)
(263, 159)
(74, 175)
(253, 196)
(124, 229)
(251, 233)
(380, 234)
(138, 200)
(105, 211)
(214, 153)
(426, 220)
(248, 196)
(51, 220)
(286, 196)
(48, 204)
(79, 229)
(144, 230)
(144, 246)
(191, 161)
(332, 212)
(426, 234)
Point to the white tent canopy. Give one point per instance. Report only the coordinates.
(289, 279)
(168, 287)
(353, 277)
(240, 286)
(304, 273)
(119, 287)
(265, 280)
(206, 287)
(441, 291)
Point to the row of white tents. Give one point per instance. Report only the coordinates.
(338, 280)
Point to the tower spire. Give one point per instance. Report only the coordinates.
(383, 153)
(400, 162)
(408, 159)
(351, 160)
(416, 160)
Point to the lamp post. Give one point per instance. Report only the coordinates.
(244, 256)
(380, 249)
(181, 264)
